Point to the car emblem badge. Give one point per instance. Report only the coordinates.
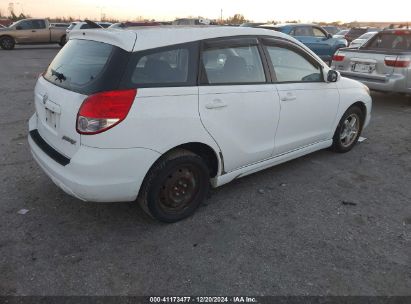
(45, 98)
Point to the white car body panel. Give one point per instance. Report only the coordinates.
(242, 119)
(249, 127)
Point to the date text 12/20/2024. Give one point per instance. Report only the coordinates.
(203, 300)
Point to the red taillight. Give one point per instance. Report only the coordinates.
(102, 111)
(338, 57)
(397, 62)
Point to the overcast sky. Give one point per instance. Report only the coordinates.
(257, 10)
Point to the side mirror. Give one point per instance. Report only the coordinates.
(18, 27)
(329, 36)
(333, 76)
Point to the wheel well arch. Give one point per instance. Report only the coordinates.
(362, 107)
(7, 36)
(203, 150)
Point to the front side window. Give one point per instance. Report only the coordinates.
(290, 66)
(318, 33)
(303, 31)
(233, 65)
(162, 67)
(26, 25)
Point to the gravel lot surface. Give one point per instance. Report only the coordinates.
(324, 224)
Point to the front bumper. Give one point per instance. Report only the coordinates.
(99, 175)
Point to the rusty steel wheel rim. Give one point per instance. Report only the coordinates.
(179, 188)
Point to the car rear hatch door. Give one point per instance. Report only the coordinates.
(57, 110)
(82, 68)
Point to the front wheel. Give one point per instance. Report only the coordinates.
(7, 43)
(176, 185)
(348, 130)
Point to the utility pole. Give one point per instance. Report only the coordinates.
(221, 15)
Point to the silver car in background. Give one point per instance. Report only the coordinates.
(383, 63)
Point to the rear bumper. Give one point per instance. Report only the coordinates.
(98, 175)
(393, 83)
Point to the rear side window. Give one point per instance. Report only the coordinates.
(85, 26)
(86, 66)
(289, 66)
(38, 24)
(235, 65)
(162, 67)
(390, 41)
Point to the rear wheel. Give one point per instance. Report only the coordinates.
(175, 186)
(348, 130)
(7, 43)
(62, 41)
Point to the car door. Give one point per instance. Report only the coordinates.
(24, 31)
(40, 32)
(237, 104)
(322, 44)
(309, 105)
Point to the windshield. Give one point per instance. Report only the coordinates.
(86, 66)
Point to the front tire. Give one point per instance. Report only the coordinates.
(176, 185)
(348, 130)
(7, 43)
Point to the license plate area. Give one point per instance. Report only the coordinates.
(51, 119)
(367, 68)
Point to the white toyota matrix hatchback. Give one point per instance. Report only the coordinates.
(159, 114)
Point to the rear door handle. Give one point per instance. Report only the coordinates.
(216, 104)
(33, 31)
(288, 97)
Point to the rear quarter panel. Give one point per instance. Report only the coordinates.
(160, 119)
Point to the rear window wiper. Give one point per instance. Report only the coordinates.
(59, 76)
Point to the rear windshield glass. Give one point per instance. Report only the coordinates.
(390, 41)
(86, 66)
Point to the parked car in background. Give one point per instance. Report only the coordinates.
(142, 114)
(331, 29)
(63, 25)
(313, 36)
(356, 43)
(133, 24)
(84, 25)
(341, 34)
(356, 32)
(192, 21)
(383, 63)
(31, 31)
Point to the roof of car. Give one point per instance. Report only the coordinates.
(157, 36)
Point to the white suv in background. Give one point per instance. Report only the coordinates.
(158, 114)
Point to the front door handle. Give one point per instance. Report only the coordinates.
(33, 31)
(288, 97)
(216, 104)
